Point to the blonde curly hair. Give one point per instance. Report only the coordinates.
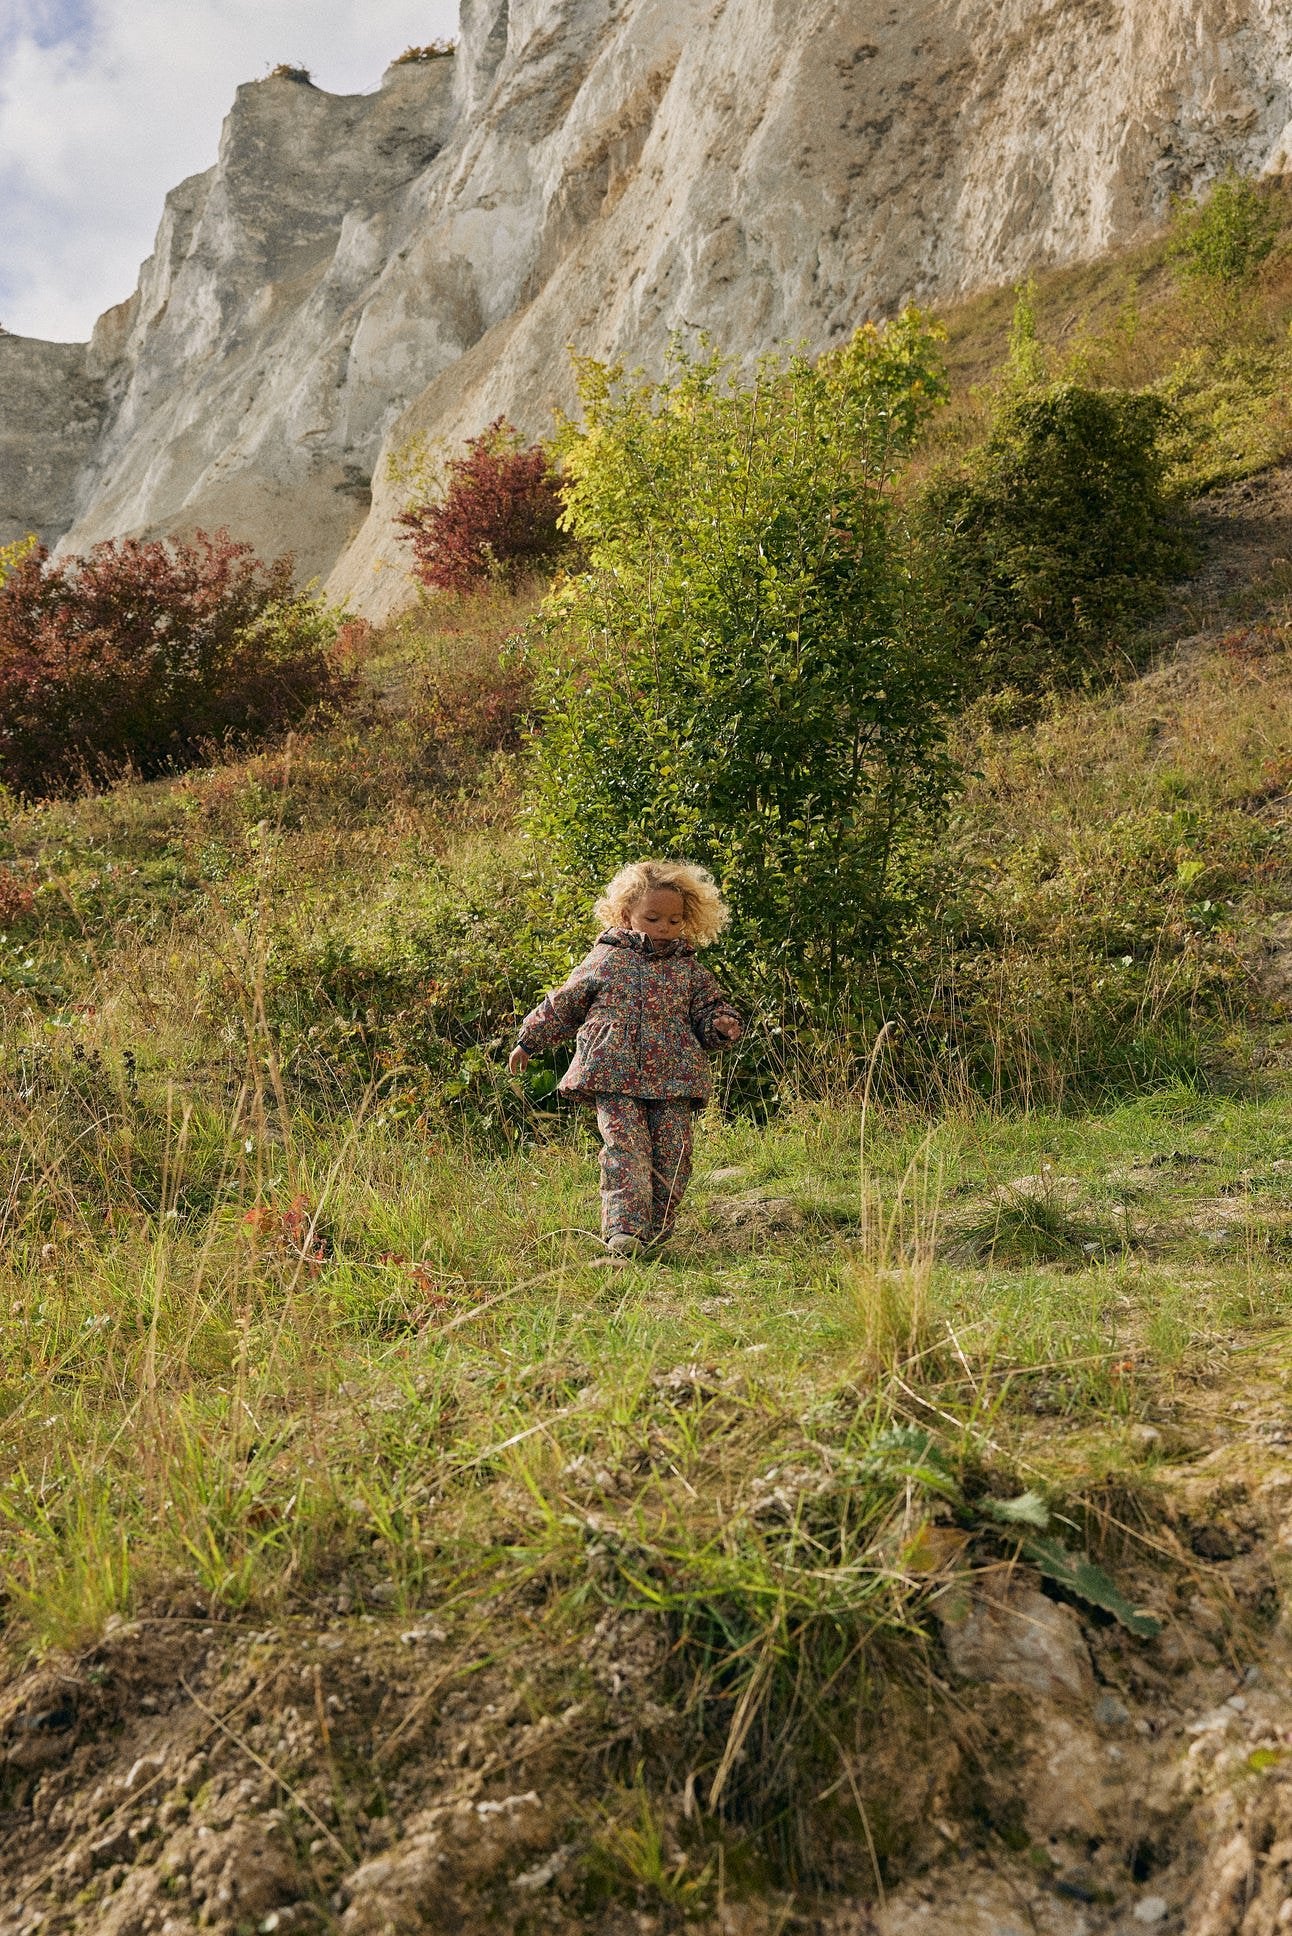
(704, 911)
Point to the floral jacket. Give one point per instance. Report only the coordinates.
(644, 1016)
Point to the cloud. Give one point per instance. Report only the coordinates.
(107, 104)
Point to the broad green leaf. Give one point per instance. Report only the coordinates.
(1090, 1583)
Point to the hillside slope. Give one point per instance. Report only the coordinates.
(355, 270)
(375, 1563)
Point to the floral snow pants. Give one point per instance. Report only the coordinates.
(645, 1163)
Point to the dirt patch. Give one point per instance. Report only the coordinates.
(1247, 529)
(370, 1777)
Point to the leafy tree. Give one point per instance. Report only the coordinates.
(745, 673)
(147, 654)
(1056, 541)
(497, 520)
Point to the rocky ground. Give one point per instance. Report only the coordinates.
(186, 1775)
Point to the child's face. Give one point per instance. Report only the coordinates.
(660, 915)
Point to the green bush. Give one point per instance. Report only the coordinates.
(1221, 241)
(418, 1001)
(1055, 544)
(746, 673)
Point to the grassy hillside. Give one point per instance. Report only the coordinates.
(374, 1558)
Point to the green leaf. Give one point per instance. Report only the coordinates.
(1090, 1583)
(1028, 1509)
(909, 1452)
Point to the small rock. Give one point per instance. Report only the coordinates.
(689, 1381)
(1213, 1722)
(116, 1847)
(508, 1805)
(1151, 1909)
(1212, 1542)
(1110, 1712)
(752, 1210)
(538, 1878)
(1015, 1637)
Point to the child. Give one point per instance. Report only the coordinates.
(645, 1012)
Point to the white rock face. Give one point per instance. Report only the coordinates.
(51, 414)
(602, 173)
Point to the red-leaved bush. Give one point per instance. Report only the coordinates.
(152, 655)
(496, 521)
(17, 900)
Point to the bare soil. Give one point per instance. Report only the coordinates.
(369, 1777)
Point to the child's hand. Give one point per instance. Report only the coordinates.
(518, 1062)
(728, 1028)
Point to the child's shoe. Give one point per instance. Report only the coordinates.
(623, 1244)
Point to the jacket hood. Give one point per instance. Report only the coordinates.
(642, 944)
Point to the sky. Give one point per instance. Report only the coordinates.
(107, 104)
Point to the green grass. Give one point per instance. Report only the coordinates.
(309, 1355)
(1127, 321)
(455, 1412)
(365, 1373)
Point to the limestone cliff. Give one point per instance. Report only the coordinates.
(601, 172)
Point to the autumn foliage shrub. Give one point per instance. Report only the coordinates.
(17, 899)
(149, 655)
(497, 521)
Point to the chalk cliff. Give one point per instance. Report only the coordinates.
(601, 172)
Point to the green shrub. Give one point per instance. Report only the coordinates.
(1222, 240)
(1056, 543)
(746, 673)
(418, 999)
